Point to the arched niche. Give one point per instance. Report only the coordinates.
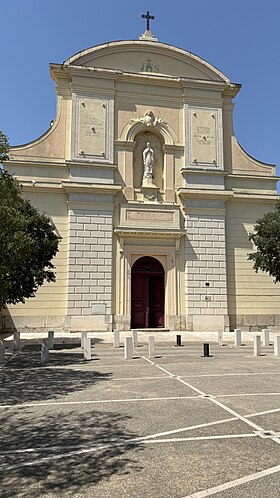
(136, 126)
(156, 143)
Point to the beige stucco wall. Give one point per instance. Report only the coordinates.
(253, 298)
(47, 308)
(52, 144)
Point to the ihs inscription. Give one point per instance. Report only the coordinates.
(204, 135)
(149, 66)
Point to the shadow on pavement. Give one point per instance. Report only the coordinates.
(30, 356)
(43, 384)
(60, 441)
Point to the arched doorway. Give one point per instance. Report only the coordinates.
(147, 293)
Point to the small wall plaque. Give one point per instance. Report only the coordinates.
(98, 309)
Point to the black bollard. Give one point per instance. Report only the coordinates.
(206, 349)
(178, 340)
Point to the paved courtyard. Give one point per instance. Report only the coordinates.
(176, 426)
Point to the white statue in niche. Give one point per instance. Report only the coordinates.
(148, 160)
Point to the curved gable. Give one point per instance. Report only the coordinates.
(147, 57)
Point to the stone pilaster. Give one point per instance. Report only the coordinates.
(205, 256)
(89, 293)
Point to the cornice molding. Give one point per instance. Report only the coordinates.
(267, 198)
(201, 171)
(33, 162)
(86, 188)
(254, 176)
(45, 187)
(149, 233)
(87, 163)
(190, 193)
(224, 195)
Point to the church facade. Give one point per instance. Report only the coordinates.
(152, 195)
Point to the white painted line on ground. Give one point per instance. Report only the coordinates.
(198, 438)
(138, 378)
(143, 440)
(233, 412)
(61, 455)
(245, 394)
(130, 365)
(216, 402)
(100, 447)
(150, 436)
(190, 386)
(189, 428)
(262, 413)
(83, 366)
(13, 355)
(236, 482)
(151, 362)
(245, 374)
(129, 400)
(105, 357)
(173, 376)
(27, 379)
(42, 449)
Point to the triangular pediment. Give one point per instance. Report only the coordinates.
(147, 57)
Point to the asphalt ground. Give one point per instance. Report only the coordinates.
(175, 426)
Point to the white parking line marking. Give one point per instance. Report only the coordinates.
(262, 413)
(149, 436)
(245, 374)
(138, 378)
(63, 455)
(198, 438)
(143, 440)
(190, 428)
(245, 394)
(236, 482)
(173, 376)
(100, 447)
(99, 401)
(215, 401)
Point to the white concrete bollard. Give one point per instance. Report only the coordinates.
(151, 344)
(128, 348)
(220, 338)
(87, 348)
(237, 337)
(45, 351)
(16, 341)
(277, 345)
(2, 352)
(51, 338)
(116, 338)
(134, 338)
(83, 337)
(265, 337)
(257, 345)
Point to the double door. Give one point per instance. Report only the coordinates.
(147, 298)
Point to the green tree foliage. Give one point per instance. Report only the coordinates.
(266, 238)
(28, 243)
(4, 147)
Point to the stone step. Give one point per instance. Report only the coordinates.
(155, 330)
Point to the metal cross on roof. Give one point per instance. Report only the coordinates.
(147, 17)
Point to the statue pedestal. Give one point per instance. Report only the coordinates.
(149, 190)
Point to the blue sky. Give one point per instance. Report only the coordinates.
(241, 38)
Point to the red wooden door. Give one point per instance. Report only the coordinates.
(139, 301)
(147, 293)
(156, 301)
